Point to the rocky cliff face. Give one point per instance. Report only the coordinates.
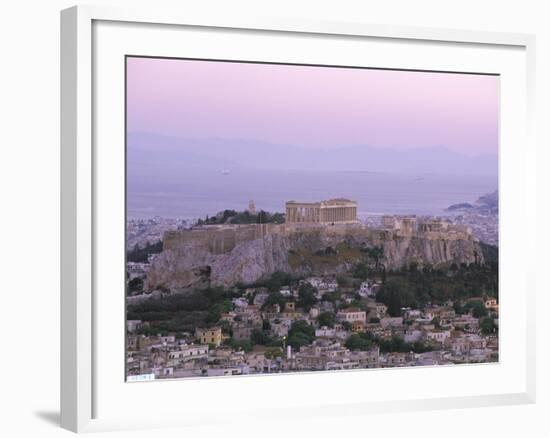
(194, 265)
(193, 262)
(405, 250)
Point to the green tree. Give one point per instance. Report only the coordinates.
(135, 285)
(477, 307)
(331, 297)
(262, 218)
(307, 296)
(277, 280)
(487, 325)
(275, 298)
(342, 280)
(346, 325)
(300, 334)
(376, 253)
(361, 271)
(326, 319)
(259, 337)
(244, 345)
(358, 342)
(395, 344)
(396, 294)
(140, 255)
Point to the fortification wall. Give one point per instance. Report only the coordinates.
(220, 239)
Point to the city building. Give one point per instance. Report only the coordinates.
(212, 335)
(351, 315)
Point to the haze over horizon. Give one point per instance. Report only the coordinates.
(313, 107)
(146, 148)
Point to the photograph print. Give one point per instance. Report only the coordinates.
(288, 218)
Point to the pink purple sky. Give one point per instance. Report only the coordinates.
(314, 107)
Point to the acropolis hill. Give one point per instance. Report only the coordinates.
(227, 254)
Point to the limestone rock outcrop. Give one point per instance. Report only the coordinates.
(225, 255)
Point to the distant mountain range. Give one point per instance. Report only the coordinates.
(152, 153)
(485, 204)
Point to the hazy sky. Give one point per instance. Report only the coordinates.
(313, 106)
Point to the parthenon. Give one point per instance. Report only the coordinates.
(332, 211)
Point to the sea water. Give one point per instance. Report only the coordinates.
(194, 194)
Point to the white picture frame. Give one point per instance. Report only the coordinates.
(85, 174)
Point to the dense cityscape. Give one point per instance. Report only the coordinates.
(365, 315)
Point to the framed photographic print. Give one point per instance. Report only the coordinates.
(285, 207)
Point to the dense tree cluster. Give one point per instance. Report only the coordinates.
(300, 334)
(243, 217)
(326, 319)
(139, 255)
(366, 341)
(487, 325)
(415, 288)
(359, 341)
(307, 296)
(183, 312)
